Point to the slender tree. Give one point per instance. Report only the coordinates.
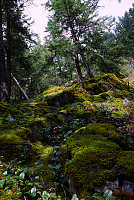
(15, 38)
(71, 20)
(3, 77)
(125, 33)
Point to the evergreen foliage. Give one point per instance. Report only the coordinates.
(125, 33)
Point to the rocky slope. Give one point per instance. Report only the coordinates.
(85, 135)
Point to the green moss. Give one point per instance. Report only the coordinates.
(15, 135)
(11, 194)
(39, 122)
(59, 96)
(108, 82)
(93, 165)
(125, 160)
(97, 129)
(43, 151)
(93, 153)
(55, 117)
(51, 92)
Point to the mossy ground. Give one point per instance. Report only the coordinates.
(96, 157)
(83, 122)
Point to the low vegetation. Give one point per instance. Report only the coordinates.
(69, 141)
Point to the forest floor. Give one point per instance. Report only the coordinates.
(69, 140)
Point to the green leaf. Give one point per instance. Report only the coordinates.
(5, 173)
(33, 194)
(107, 194)
(37, 177)
(53, 195)
(45, 194)
(112, 198)
(41, 165)
(51, 166)
(2, 183)
(58, 166)
(31, 168)
(33, 190)
(97, 196)
(17, 177)
(74, 197)
(17, 171)
(22, 175)
(31, 184)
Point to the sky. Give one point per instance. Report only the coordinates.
(39, 15)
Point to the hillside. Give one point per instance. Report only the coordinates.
(69, 140)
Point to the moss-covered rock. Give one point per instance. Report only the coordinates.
(96, 157)
(94, 150)
(108, 82)
(98, 130)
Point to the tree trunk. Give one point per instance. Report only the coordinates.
(86, 65)
(81, 83)
(3, 77)
(8, 48)
(21, 89)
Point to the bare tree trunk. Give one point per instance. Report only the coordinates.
(8, 48)
(81, 83)
(3, 77)
(86, 65)
(21, 88)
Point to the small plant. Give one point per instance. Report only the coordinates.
(50, 196)
(57, 166)
(106, 196)
(27, 180)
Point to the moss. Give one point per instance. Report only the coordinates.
(60, 96)
(43, 151)
(11, 194)
(15, 143)
(51, 92)
(97, 129)
(94, 155)
(92, 152)
(15, 135)
(93, 165)
(125, 160)
(108, 82)
(38, 121)
(55, 117)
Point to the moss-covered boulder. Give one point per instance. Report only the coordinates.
(96, 158)
(94, 153)
(62, 96)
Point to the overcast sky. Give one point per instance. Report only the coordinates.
(39, 14)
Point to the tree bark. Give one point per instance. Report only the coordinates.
(3, 77)
(81, 83)
(86, 65)
(8, 48)
(74, 37)
(21, 88)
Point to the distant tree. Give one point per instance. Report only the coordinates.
(125, 33)
(71, 20)
(102, 50)
(62, 58)
(15, 38)
(3, 76)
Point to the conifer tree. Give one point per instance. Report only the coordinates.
(71, 20)
(14, 40)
